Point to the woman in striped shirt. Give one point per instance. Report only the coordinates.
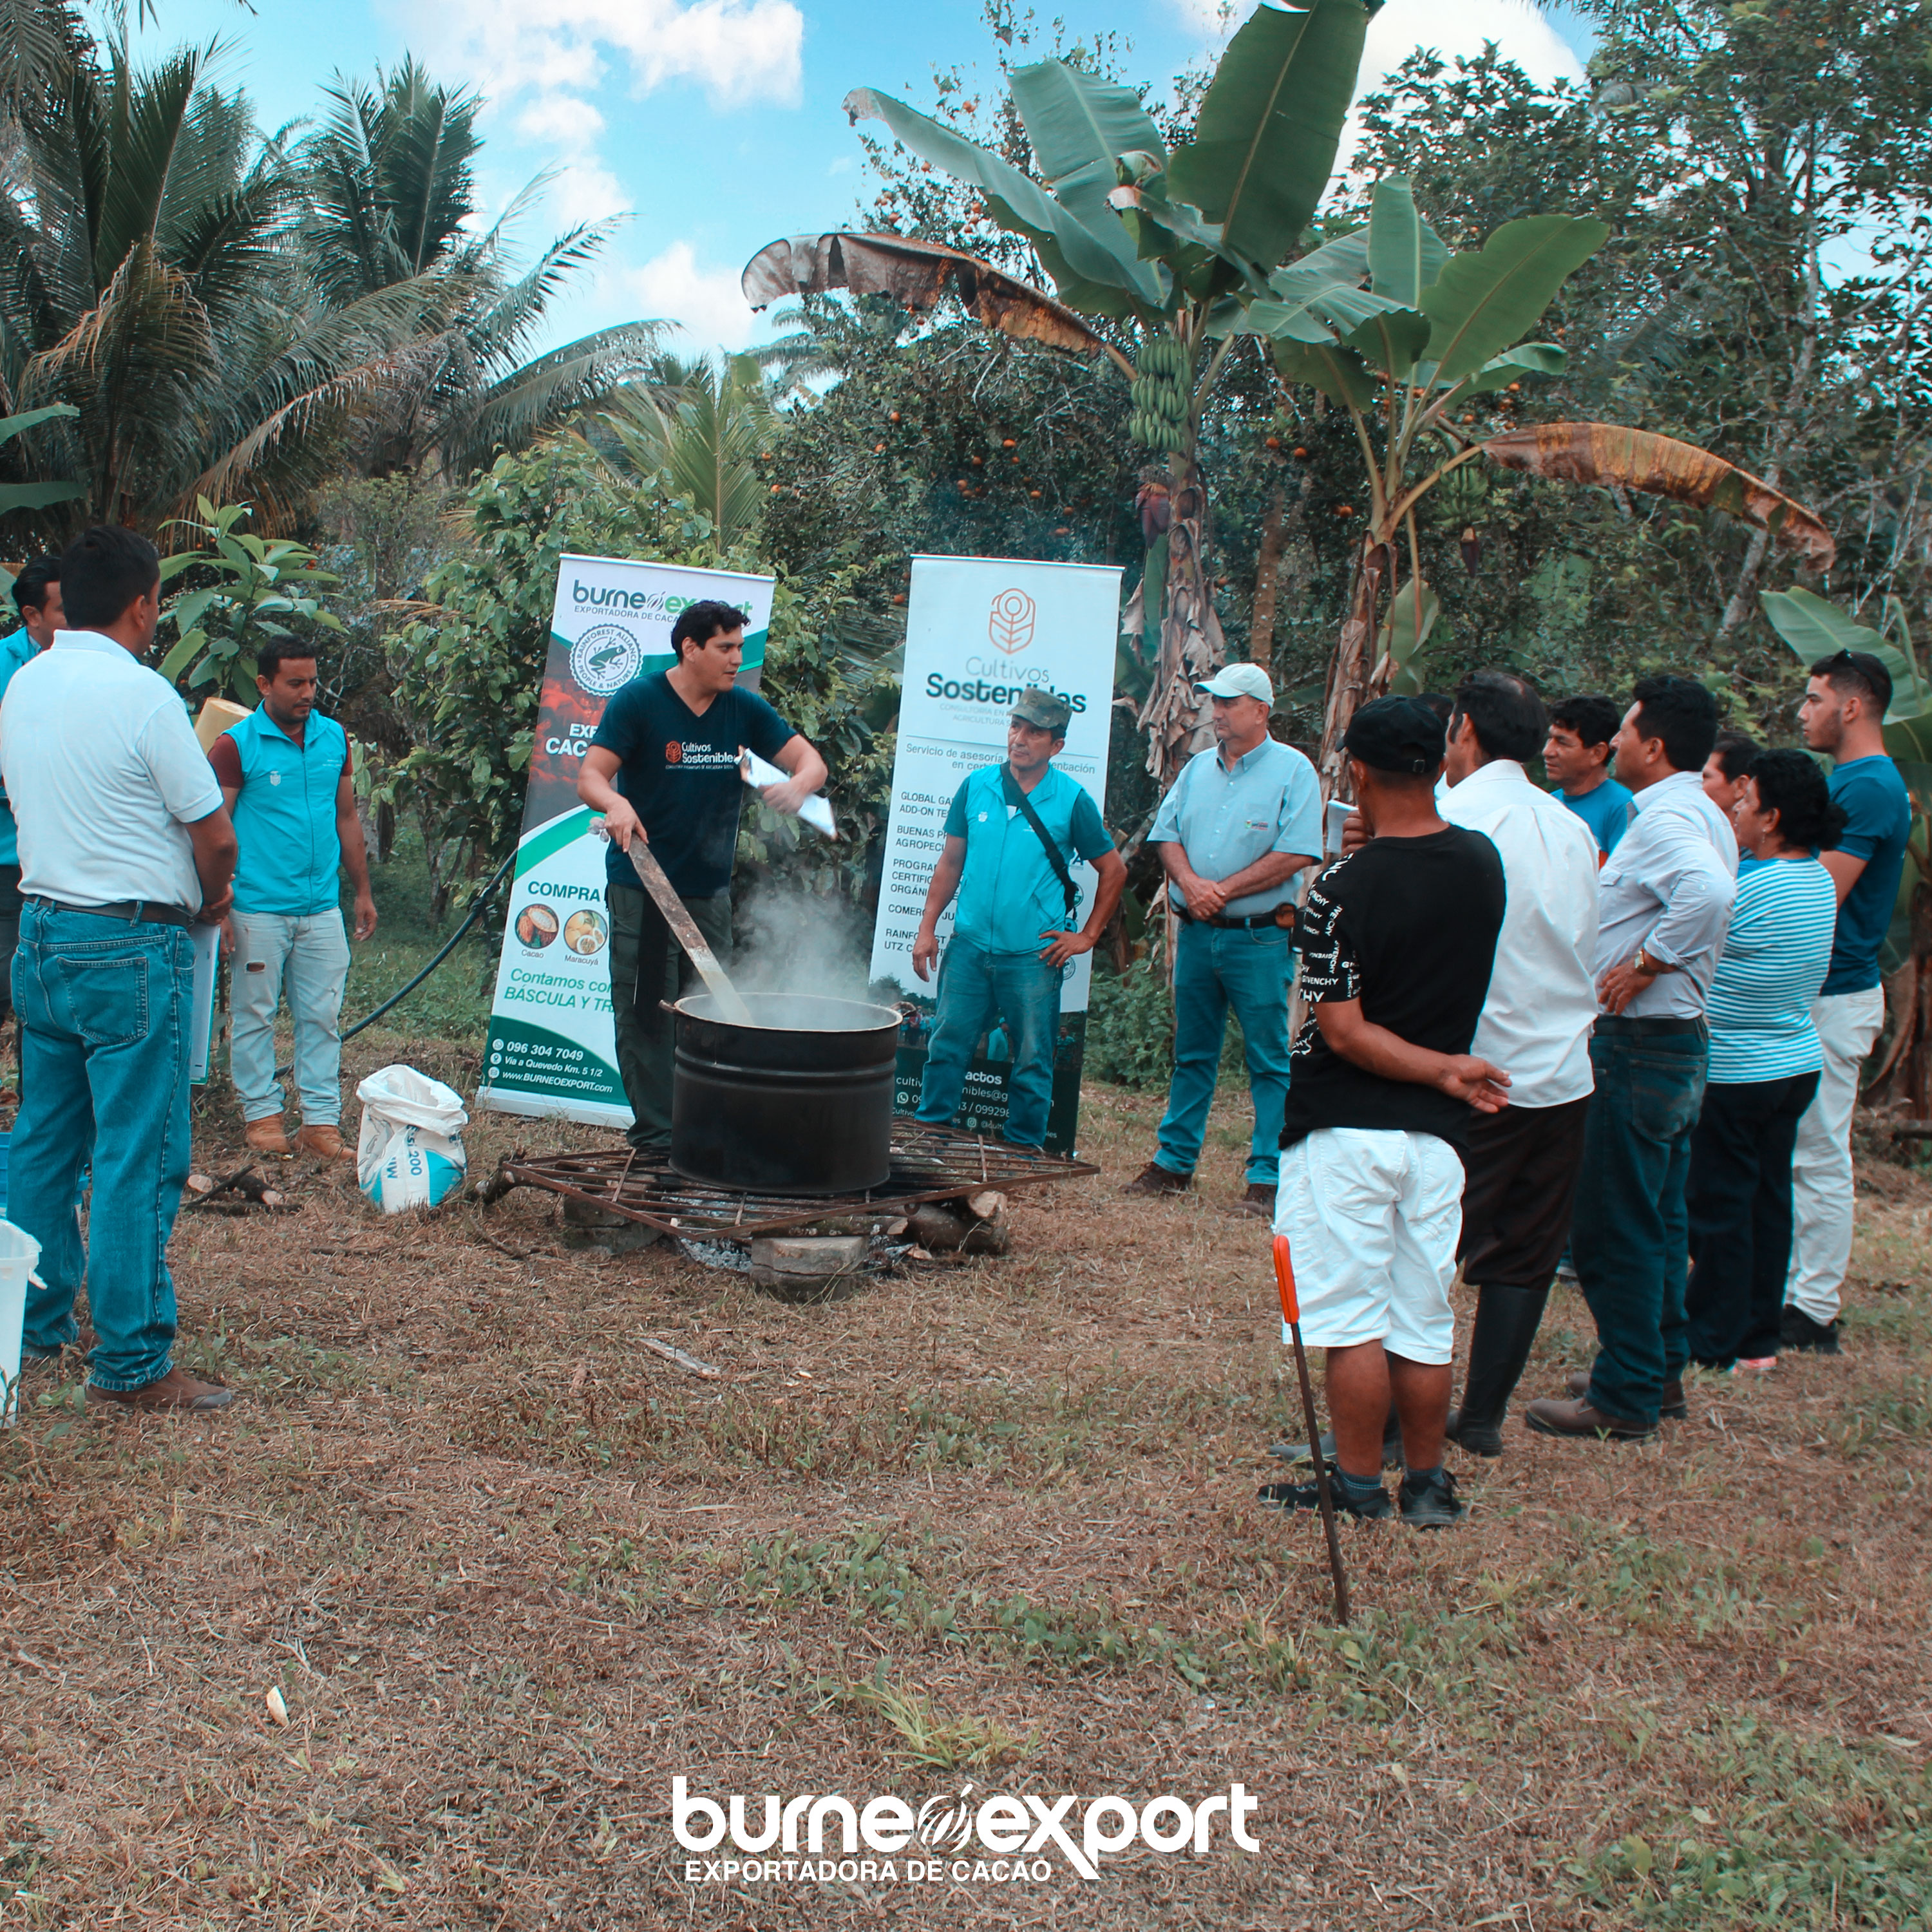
(1765, 1061)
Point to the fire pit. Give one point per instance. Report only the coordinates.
(799, 1102)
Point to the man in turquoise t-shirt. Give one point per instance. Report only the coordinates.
(1576, 758)
(1011, 898)
(1843, 714)
(37, 598)
(285, 773)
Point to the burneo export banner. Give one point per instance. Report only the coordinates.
(552, 1048)
(979, 630)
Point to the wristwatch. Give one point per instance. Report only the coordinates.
(1641, 962)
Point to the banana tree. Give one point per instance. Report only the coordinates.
(1814, 629)
(1160, 248)
(1400, 333)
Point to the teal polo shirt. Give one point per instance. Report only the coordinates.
(16, 649)
(285, 814)
(1008, 894)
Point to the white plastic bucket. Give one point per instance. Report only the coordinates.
(18, 1252)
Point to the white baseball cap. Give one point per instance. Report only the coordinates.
(1240, 680)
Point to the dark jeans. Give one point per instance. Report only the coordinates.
(647, 966)
(104, 1017)
(975, 989)
(1739, 1198)
(1630, 1237)
(10, 935)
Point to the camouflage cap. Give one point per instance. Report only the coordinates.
(1043, 709)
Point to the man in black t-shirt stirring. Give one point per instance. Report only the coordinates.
(664, 767)
(1397, 942)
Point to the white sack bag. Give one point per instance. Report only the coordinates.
(410, 1151)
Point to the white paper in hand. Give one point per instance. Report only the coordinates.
(758, 773)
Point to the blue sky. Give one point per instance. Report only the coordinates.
(714, 126)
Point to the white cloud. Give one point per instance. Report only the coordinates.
(1452, 27)
(557, 50)
(708, 302)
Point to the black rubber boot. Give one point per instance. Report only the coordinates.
(1507, 1319)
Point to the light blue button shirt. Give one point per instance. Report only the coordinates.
(1225, 817)
(1668, 887)
(16, 649)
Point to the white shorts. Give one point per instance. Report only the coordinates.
(1372, 1216)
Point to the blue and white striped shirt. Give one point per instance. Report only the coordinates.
(1774, 960)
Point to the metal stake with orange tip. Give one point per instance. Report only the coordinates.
(1290, 1313)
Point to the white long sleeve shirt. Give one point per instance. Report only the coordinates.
(1542, 1000)
(1668, 888)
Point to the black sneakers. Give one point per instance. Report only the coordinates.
(1797, 1330)
(1371, 1508)
(1429, 1501)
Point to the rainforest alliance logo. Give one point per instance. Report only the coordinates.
(1009, 622)
(606, 658)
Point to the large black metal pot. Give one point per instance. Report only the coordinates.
(800, 1102)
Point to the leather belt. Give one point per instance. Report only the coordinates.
(133, 911)
(1247, 922)
(1628, 1027)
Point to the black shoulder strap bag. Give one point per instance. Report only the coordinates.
(1010, 785)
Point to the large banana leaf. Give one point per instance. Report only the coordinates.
(1661, 466)
(1264, 141)
(1482, 301)
(917, 274)
(18, 425)
(1815, 628)
(37, 496)
(1526, 358)
(1403, 635)
(1391, 341)
(1104, 255)
(1908, 740)
(1406, 254)
(1338, 373)
(1079, 125)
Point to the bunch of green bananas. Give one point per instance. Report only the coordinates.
(1160, 393)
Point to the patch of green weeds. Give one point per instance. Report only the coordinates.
(1811, 1835)
(1900, 1415)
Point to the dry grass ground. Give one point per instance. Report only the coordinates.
(512, 1572)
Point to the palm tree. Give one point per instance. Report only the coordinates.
(702, 424)
(159, 273)
(391, 203)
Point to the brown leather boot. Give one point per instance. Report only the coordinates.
(1579, 1419)
(1671, 1407)
(265, 1135)
(1155, 1179)
(174, 1394)
(1258, 1203)
(325, 1142)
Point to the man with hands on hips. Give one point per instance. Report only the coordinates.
(1011, 837)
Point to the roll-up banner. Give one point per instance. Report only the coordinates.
(979, 630)
(552, 1048)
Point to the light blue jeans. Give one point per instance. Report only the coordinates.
(976, 987)
(1215, 967)
(308, 959)
(104, 1009)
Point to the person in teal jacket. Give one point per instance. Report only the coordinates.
(286, 773)
(37, 598)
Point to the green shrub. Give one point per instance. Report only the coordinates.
(1130, 1028)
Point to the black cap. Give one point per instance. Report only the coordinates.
(1397, 734)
